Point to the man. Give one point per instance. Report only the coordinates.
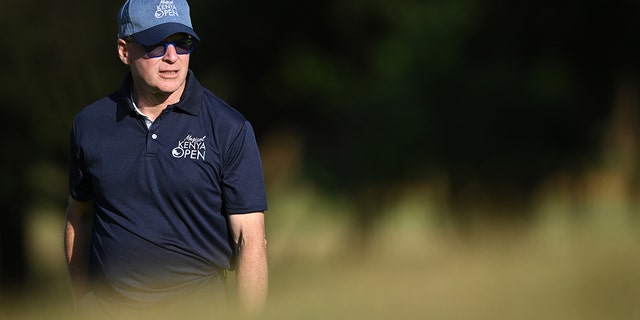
(166, 183)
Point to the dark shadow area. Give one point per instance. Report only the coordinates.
(494, 95)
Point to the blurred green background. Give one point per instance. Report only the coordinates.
(460, 159)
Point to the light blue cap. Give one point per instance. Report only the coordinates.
(151, 21)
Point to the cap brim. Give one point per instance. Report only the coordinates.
(160, 32)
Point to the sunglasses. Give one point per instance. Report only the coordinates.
(182, 46)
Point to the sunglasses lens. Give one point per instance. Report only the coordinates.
(156, 51)
(184, 46)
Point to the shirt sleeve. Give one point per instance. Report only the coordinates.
(242, 184)
(80, 187)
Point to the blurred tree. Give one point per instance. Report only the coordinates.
(15, 160)
(493, 94)
(57, 61)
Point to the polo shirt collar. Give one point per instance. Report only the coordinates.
(190, 101)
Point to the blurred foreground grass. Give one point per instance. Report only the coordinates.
(412, 267)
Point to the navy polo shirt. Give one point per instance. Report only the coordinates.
(163, 194)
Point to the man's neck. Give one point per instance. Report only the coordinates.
(151, 104)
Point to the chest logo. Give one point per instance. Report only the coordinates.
(190, 148)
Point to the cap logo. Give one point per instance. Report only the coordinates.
(166, 8)
(151, 21)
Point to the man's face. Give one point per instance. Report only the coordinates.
(163, 75)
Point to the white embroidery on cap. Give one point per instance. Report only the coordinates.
(166, 8)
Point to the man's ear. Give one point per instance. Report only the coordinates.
(123, 53)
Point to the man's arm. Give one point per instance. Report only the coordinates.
(77, 239)
(252, 271)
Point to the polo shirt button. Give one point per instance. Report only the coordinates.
(154, 136)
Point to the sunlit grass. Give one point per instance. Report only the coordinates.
(413, 265)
